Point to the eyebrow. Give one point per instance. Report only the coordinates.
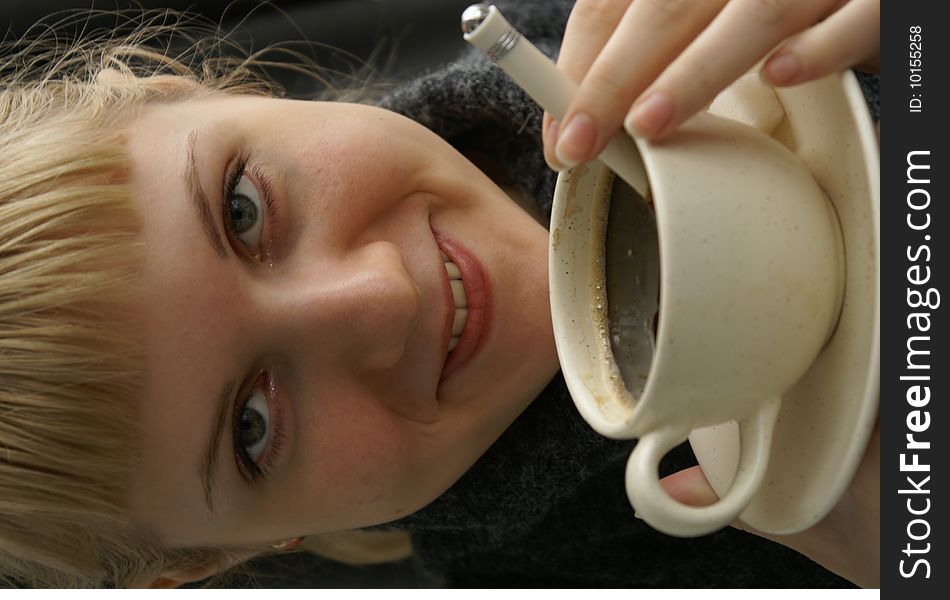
(214, 444)
(200, 199)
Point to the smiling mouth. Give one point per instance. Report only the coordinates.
(471, 302)
(461, 301)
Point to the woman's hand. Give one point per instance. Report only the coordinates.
(651, 64)
(847, 541)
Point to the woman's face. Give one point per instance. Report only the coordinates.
(298, 313)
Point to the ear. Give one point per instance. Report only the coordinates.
(110, 76)
(173, 579)
(160, 84)
(179, 577)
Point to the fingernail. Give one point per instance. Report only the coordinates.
(783, 68)
(551, 135)
(576, 141)
(651, 115)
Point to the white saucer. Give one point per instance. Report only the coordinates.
(827, 418)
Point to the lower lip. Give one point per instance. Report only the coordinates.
(478, 294)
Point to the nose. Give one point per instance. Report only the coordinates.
(364, 305)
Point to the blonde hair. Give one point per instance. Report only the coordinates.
(69, 373)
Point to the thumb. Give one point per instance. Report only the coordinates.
(689, 486)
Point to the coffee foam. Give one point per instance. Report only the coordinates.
(624, 289)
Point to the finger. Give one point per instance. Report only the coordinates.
(589, 26)
(715, 59)
(649, 36)
(848, 37)
(689, 486)
(549, 130)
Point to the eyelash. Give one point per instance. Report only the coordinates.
(249, 468)
(267, 197)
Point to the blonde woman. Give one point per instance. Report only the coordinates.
(229, 321)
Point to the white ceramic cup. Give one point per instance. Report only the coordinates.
(745, 268)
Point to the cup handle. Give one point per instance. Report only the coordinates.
(662, 512)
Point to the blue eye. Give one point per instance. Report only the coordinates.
(243, 210)
(258, 429)
(253, 426)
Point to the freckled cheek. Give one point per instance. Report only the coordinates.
(352, 182)
(361, 451)
(367, 155)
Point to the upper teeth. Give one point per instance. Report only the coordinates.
(461, 302)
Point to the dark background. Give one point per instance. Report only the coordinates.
(400, 38)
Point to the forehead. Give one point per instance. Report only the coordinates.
(188, 341)
(159, 130)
